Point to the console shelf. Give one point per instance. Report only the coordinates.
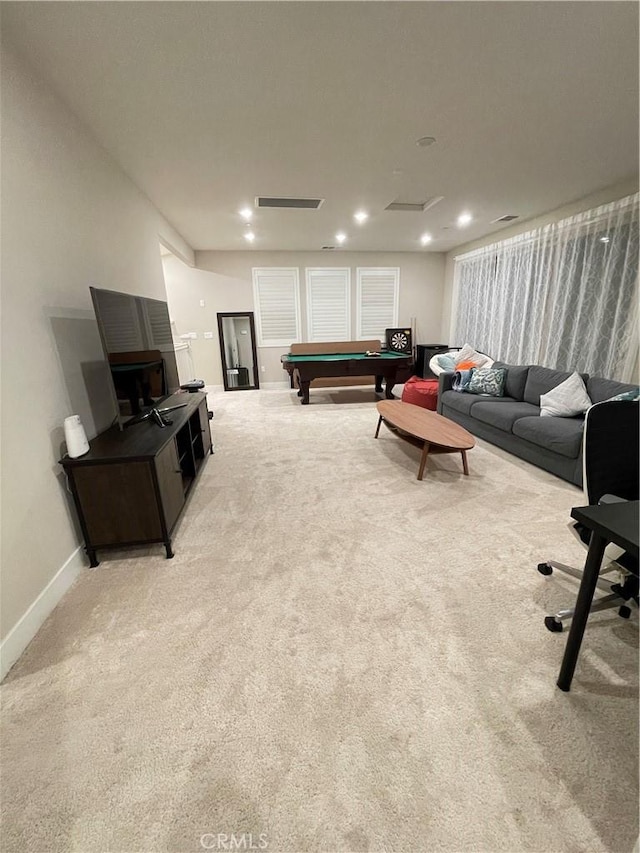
(132, 485)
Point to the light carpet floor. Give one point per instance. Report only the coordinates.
(339, 657)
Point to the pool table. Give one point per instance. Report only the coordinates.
(305, 368)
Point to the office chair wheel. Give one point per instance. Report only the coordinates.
(624, 611)
(552, 624)
(545, 568)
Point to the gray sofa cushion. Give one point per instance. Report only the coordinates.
(504, 416)
(462, 402)
(516, 379)
(560, 435)
(540, 380)
(601, 389)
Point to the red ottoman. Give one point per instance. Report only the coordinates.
(421, 392)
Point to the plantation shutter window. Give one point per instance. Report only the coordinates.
(276, 295)
(328, 303)
(377, 301)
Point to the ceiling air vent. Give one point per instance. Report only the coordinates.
(328, 247)
(297, 203)
(415, 206)
(508, 217)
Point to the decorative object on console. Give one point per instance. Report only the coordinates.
(193, 386)
(566, 400)
(399, 340)
(75, 437)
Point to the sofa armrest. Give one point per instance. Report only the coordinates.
(445, 383)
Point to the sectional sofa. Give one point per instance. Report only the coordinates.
(513, 421)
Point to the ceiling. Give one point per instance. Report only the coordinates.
(206, 105)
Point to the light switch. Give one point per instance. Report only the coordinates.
(202, 303)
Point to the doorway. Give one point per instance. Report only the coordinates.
(238, 351)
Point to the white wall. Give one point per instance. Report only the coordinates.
(223, 280)
(70, 219)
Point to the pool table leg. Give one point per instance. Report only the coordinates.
(389, 388)
(378, 384)
(304, 391)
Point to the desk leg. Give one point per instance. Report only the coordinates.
(581, 614)
(423, 459)
(304, 388)
(378, 427)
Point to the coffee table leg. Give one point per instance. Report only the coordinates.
(378, 427)
(423, 459)
(465, 466)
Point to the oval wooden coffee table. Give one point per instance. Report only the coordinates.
(425, 429)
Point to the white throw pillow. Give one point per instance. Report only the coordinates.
(566, 400)
(467, 353)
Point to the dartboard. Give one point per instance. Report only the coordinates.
(399, 341)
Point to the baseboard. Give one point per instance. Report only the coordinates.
(31, 621)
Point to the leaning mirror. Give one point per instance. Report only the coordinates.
(238, 351)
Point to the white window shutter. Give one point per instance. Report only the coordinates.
(277, 305)
(328, 303)
(377, 301)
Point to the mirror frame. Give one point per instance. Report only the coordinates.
(225, 367)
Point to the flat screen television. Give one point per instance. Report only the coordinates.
(138, 347)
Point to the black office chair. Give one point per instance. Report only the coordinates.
(610, 474)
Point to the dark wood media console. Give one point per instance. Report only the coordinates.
(132, 485)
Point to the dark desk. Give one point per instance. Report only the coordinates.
(328, 365)
(617, 523)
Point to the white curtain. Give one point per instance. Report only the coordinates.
(565, 296)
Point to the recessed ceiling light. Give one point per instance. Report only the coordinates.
(425, 141)
(250, 236)
(464, 219)
(341, 236)
(361, 216)
(246, 212)
(605, 239)
(426, 238)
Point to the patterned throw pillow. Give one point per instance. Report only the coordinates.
(566, 400)
(632, 396)
(488, 381)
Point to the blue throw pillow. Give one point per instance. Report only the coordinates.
(488, 381)
(446, 362)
